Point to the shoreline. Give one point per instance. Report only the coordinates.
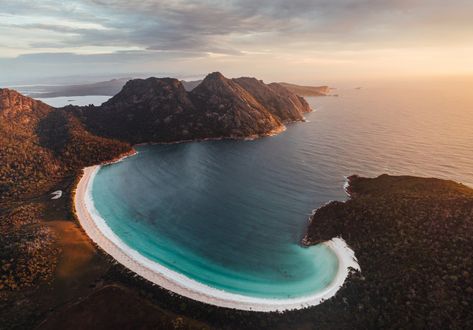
(97, 230)
(254, 137)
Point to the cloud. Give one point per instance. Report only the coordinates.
(232, 29)
(220, 26)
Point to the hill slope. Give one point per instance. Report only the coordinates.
(283, 104)
(161, 110)
(412, 238)
(39, 143)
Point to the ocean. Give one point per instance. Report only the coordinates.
(231, 214)
(61, 101)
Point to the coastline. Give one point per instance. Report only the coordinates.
(97, 229)
(270, 133)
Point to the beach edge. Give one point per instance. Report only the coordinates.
(97, 230)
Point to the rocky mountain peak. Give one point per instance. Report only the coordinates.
(215, 76)
(214, 82)
(149, 91)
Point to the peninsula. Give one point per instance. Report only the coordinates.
(412, 236)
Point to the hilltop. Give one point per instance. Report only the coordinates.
(113, 86)
(161, 110)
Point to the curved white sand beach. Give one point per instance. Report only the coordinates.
(97, 229)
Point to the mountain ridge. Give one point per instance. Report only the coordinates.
(39, 141)
(113, 86)
(162, 110)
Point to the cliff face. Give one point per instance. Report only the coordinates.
(161, 110)
(231, 109)
(280, 102)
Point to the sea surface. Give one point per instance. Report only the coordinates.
(59, 101)
(231, 214)
(75, 100)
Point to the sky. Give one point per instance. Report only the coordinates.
(303, 41)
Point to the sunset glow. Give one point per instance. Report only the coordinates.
(307, 41)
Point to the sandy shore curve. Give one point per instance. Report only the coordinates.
(98, 230)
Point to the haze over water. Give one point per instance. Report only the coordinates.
(231, 214)
(421, 128)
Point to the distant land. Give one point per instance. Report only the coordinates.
(190, 85)
(108, 88)
(307, 90)
(113, 86)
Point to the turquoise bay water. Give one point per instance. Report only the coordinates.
(231, 214)
(219, 213)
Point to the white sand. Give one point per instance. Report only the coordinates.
(106, 239)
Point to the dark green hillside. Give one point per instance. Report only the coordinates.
(413, 239)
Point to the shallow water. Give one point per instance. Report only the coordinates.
(231, 214)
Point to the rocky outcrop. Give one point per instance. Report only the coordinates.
(231, 109)
(145, 110)
(280, 102)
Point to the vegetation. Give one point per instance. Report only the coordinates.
(73, 145)
(117, 307)
(413, 240)
(28, 255)
(412, 236)
(40, 144)
(161, 110)
(25, 165)
(43, 148)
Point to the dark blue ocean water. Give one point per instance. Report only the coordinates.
(231, 214)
